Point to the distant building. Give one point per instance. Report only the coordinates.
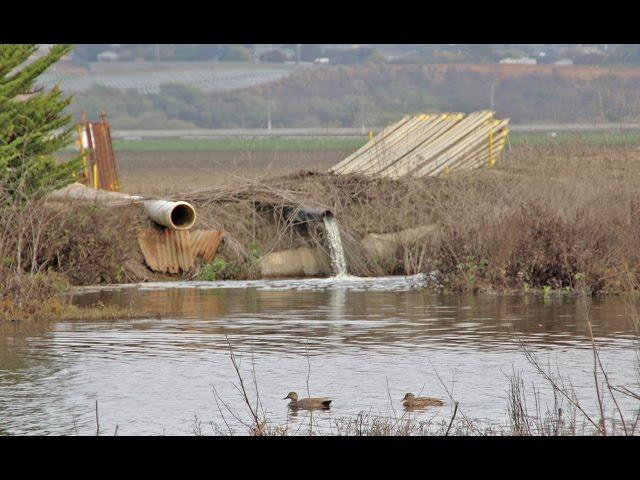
(108, 56)
(588, 49)
(322, 61)
(520, 61)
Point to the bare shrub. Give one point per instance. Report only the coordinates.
(91, 243)
(24, 296)
(551, 216)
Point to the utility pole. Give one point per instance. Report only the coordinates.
(157, 53)
(298, 47)
(493, 86)
(269, 115)
(362, 114)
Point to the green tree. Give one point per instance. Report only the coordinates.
(33, 125)
(235, 53)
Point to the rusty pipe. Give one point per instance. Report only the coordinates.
(175, 215)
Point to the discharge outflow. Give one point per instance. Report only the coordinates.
(338, 261)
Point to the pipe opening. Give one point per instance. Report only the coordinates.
(306, 214)
(183, 216)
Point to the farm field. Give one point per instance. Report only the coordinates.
(604, 138)
(186, 165)
(239, 144)
(147, 77)
(157, 167)
(337, 143)
(157, 173)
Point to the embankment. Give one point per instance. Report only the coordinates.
(561, 217)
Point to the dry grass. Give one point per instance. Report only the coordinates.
(44, 247)
(559, 217)
(555, 217)
(24, 296)
(42, 298)
(157, 173)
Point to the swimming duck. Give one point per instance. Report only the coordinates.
(321, 403)
(411, 401)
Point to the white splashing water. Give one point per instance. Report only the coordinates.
(338, 261)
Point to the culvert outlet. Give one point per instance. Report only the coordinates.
(175, 215)
(306, 214)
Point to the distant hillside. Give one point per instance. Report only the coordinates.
(376, 94)
(514, 70)
(146, 77)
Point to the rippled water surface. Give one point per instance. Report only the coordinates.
(362, 342)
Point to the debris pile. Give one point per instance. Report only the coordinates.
(429, 145)
(96, 149)
(170, 246)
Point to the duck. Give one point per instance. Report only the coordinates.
(410, 401)
(320, 403)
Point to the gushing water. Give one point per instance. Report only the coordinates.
(338, 261)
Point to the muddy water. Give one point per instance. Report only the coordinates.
(364, 343)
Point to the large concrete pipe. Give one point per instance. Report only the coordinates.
(175, 215)
(80, 192)
(297, 262)
(383, 245)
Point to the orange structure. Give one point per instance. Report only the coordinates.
(94, 138)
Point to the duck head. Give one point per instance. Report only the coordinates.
(293, 396)
(408, 396)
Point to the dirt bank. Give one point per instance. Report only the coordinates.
(547, 217)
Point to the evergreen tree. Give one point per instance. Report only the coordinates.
(33, 125)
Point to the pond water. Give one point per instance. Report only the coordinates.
(362, 342)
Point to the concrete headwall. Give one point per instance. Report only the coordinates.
(297, 262)
(310, 262)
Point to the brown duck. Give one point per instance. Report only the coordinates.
(321, 403)
(410, 401)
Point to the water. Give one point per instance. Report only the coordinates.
(338, 261)
(362, 342)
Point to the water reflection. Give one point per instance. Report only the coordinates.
(271, 319)
(358, 342)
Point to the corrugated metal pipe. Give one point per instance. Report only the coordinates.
(175, 215)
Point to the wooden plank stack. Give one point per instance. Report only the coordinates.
(429, 145)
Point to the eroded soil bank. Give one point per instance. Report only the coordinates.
(563, 217)
(548, 217)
